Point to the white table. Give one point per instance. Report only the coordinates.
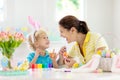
(53, 75)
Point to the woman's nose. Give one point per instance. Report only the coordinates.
(61, 35)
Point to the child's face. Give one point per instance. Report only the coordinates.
(43, 41)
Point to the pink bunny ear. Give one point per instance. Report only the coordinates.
(35, 24)
(31, 21)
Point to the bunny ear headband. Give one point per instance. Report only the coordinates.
(35, 25)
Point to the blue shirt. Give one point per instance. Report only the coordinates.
(44, 60)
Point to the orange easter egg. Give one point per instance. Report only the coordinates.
(65, 54)
(52, 55)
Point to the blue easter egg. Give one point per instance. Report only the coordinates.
(81, 64)
(19, 63)
(103, 53)
(4, 62)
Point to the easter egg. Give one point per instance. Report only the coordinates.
(15, 68)
(103, 53)
(100, 70)
(107, 55)
(95, 71)
(80, 64)
(112, 54)
(75, 65)
(65, 54)
(19, 63)
(99, 52)
(4, 62)
(52, 55)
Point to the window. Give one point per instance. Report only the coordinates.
(63, 8)
(69, 7)
(2, 10)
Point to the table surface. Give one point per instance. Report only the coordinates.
(47, 74)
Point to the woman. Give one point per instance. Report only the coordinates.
(86, 44)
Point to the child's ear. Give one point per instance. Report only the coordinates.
(36, 44)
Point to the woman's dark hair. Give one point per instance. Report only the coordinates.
(71, 21)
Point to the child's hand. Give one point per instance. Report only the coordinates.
(53, 55)
(37, 52)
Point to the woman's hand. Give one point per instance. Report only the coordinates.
(62, 50)
(61, 57)
(69, 62)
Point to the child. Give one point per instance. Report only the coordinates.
(39, 42)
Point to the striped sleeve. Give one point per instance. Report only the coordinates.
(30, 57)
(72, 51)
(100, 42)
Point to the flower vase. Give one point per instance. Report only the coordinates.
(9, 64)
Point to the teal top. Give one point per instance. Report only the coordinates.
(44, 60)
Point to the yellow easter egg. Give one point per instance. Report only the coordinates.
(75, 65)
(99, 52)
(7, 28)
(100, 70)
(112, 54)
(24, 28)
(15, 68)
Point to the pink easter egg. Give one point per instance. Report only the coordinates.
(95, 71)
(108, 55)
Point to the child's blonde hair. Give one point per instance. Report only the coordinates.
(35, 36)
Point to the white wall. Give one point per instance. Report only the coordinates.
(116, 19)
(19, 10)
(99, 16)
(41, 10)
(9, 15)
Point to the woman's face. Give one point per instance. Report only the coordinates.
(69, 35)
